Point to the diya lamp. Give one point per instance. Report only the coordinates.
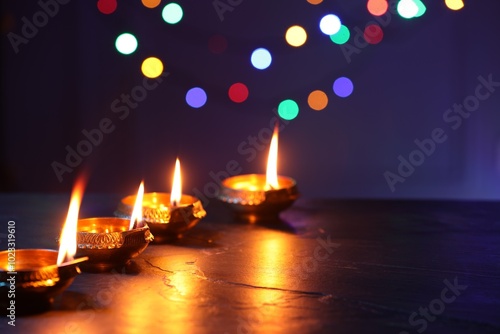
(169, 215)
(111, 242)
(30, 279)
(256, 197)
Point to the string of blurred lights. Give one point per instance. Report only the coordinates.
(261, 58)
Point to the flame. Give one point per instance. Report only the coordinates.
(272, 162)
(67, 247)
(176, 194)
(137, 212)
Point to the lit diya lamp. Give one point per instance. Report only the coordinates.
(30, 279)
(169, 215)
(257, 196)
(111, 242)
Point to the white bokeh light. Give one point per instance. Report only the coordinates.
(126, 43)
(407, 9)
(330, 24)
(261, 58)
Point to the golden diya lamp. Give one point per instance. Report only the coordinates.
(111, 242)
(255, 197)
(30, 279)
(169, 215)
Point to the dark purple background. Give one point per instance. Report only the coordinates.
(65, 79)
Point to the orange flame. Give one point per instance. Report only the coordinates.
(67, 247)
(176, 194)
(272, 162)
(137, 212)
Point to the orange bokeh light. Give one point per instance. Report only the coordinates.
(377, 7)
(317, 100)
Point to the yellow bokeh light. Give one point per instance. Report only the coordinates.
(454, 4)
(317, 100)
(151, 3)
(296, 36)
(152, 67)
(315, 2)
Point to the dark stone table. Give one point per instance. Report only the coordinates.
(331, 266)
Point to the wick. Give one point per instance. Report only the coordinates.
(174, 203)
(138, 224)
(268, 187)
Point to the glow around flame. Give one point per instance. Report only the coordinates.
(67, 247)
(272, 162)
(137, 212)
(176, 194)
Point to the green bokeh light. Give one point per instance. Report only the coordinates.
(342, 36)
(421, 8)
(288, 109)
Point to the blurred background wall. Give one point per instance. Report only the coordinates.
(66, 77)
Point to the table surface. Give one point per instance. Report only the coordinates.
(330, 266)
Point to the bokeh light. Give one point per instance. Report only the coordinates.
(377, 7)
(126, 43)
(172, 13)
(329, 24)
(454, 4)
(407, 9)
(421, 8)
(151, 3)
(317, 100)
(296, 36)
(373, 34)
(152, 67)
(343, 87)
(107, 6)
(217, 44)
(315, 2)
(261, 58)
(342, 36)
(288, 109)
(238, 92)
(196, 97)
